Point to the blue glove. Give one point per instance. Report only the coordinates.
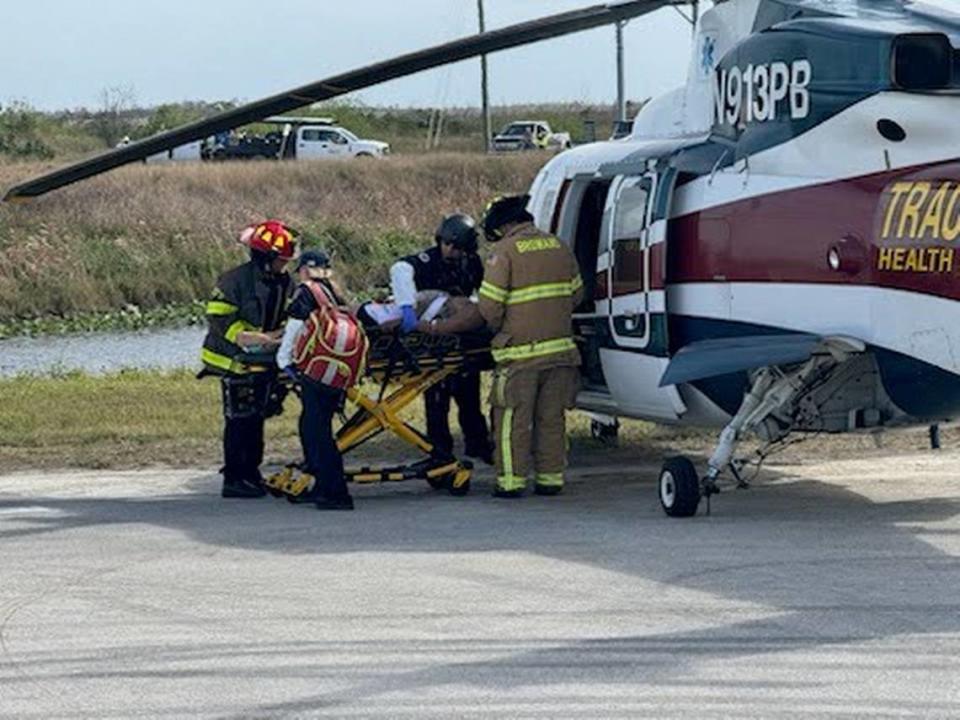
(409, 322)
(291, 372)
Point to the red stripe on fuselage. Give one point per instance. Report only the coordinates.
(786, 237)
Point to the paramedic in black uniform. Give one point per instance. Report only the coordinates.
(451, 265)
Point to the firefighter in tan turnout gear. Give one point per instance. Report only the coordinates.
(531, 286)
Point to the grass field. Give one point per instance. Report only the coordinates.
(154, 236)
(139, 419)
(136, 419)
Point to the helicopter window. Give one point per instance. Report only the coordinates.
(922, 61)
(630, 219)
(627, 266)
(631, 213)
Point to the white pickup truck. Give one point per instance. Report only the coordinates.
(294, 141)
(296, 138)
(323, 141)
(530, 135)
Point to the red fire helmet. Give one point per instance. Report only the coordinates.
(272, 237)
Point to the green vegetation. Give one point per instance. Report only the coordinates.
(134, 419)
(130, 419)
(20, 134)
(26, 133)
(128, 318)
(143, 245)
(461, 129)
(144, 242)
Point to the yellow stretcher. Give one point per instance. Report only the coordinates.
(403, 368)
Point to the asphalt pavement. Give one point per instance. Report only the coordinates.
(827, 590)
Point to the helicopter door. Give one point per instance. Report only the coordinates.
(629, 273)
(583, 230)
(636, 297)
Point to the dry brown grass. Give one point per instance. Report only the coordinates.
(155, 235)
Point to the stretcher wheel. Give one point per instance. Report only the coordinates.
(460, 482)
(276, 482)
(441, 482)
(460, 490)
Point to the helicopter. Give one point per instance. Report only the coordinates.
(771, 250)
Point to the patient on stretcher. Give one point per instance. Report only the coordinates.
(439, 313)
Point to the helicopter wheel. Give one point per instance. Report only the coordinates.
(679, 487)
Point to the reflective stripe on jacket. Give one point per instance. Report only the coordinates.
(243, 300)
(531, 286)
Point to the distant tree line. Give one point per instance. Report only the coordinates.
(27, 133)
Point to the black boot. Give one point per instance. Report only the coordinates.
(548, 490)
(480, 451)
(241, 488)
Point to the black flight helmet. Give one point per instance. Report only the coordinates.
(460, 231)
(503, 211)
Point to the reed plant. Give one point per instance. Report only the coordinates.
(153, 236)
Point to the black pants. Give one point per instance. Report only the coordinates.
(244, 412)
(465, 389)
(323, 459)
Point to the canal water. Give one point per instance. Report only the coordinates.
(99, 353)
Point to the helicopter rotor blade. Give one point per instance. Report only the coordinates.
(437, 56)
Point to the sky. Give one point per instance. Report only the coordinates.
(61, 54)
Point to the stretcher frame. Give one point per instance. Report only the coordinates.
(405, 367)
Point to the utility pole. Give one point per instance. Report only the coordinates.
(621, 93)
(485, 95)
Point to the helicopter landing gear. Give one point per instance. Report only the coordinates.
(679, 487)
(771, 409)
(605, 430)
(771, 390)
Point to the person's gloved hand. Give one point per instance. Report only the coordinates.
(409, 322)
(291, 372)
